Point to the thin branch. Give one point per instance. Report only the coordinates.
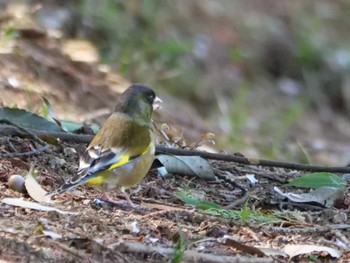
(9, 130)
(28, 132)
(238, 202)
(189, 255)
(79, 138)
(250, 161)
(24, 154)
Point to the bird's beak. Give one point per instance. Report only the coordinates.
(157, 103)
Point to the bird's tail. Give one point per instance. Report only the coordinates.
(82, 177)
(62, 189)
(67, 186)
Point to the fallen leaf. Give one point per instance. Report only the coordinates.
(187, 165)
(295, 250)
(34, 189)
(274, 252)
(31, 205)
(27, 119)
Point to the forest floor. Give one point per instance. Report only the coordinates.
(252, 223)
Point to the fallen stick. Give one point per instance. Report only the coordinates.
(8, 130)
(188, 256)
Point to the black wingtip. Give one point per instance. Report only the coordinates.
(62, 189)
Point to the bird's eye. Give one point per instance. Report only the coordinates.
(150, 98)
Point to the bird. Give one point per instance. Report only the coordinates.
(123, 150)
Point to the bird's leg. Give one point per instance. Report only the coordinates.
(120, 202)
(128, 200)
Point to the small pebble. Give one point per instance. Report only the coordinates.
(69, 151)
(340, 218)
(16, 183)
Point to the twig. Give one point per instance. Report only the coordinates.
(238, 202)
(24, 154)
(225, 176)
(8, 130)
(78, 138)
(342, 238)
(250, 161)
(33, 136)
(30, 133)
(165, 136)
(189, 255)
(10, 144)
(263, 173)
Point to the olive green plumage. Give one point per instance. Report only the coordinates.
(122, 152)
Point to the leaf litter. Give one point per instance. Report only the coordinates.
(171, 208)
(85, 230)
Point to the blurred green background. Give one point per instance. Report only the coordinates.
(270, 78)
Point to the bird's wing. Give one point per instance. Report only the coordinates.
(97, 159)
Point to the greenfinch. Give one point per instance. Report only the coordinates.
(122, 152)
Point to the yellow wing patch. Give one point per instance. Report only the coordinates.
(123, 160)
(104, 174)
(96, 180)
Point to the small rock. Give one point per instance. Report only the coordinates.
(16, 183)
(340, 218)
(69, 151)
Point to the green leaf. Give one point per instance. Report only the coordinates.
(245, 212)
(316, 180)
(196, 202)
(27, 119)
(179, 249)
